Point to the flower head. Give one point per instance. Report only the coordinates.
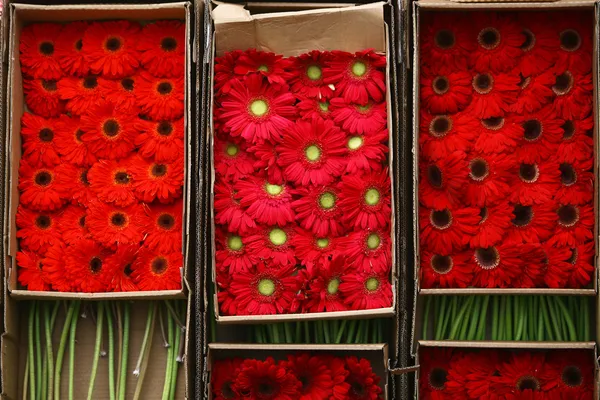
(368, 249)
(157, 270)
(318, 209)
(164, 227)
(323, 294)
(263, 64)
(522, 373)
(356, 118)
(441, 135)
(42, 97)
(38, 51)
(265, 202)
(582, 259)
(81, 94)
(266, 160)
(500, 266)
(162, 48)
(314, 109)
(531, 223)
(495, 221)
(573, 94)
(69, 46)
(121, 92)
(223, 70)
(569, 373)
(499, 41)
(365, 200)
(574, 39)
(233, 255)
(535, 92)
(160, 98)
(157, 181)
(313, 373)
(314, 250)
(535, 183)
(367, 289)
(273, 245)
(556, 267)
(445, 94)
(31, 273)
(493, 94)
(442, 182)
(228, 303)
(39, 140)
(498, 135)
(445, 271)
(162, 141)
(266, 380)
(366, 153)
(541, 134)
(112, 225)
(228, 210)
(72, 224)
(539, 50)
(435, 370)
(54, 266)
(78, 187)
(112, 182)
(577, 143)
(577, 182)
(41, 188)
(574, 226)
(224, 373)
(364, 383)
(121, 263)
(446, 230)
(69, 142)
(86, 266)
(232, 159)
(488, 179)
(307, 75)
(446, 42)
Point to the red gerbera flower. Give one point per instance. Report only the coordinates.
(339, 373)
(501, 265)
(157, 270)
(493, 94)
(535, 92)
(472, 374)
(318, 209)
(266, 380)
(577, 141)
(55, 268)
(262, 63)
(498, 135)
(86, 266)
(42, 97)
(314, 109)
(573, 95)
(41, 188)
(523, 373)
(39, 144)
(582, 260)
(232, 160)
(571, 374)
(435, 369)
(228, 210)
(112, 182)
(446, 42)
(495, 220)
(68, 49)
(357, 77)
(313, 373)
(78, 185)
(223, 375)
(121, 263)
(273, 245)
(323, 293)
(31, 273)
(265, 202)
(541, 133)
(575, 42)
(367, 289)
(111, 225)
(445, 94)
(160, 98)
(108, 131)
(257, 111)
(368, 249)
(353, 118)
(110, 48)
(446, 230)
(37, 47)
(164, 227)
(445, 271)
(489, 177)
(366, 153)
(499, 39)
(162, 47)
(365, 200)
(312, 152)
(121, 92)
(223, 70)
(577, 182)
(232, 253)
(575, 224)
(539, 48)
(532, 223)
(157, 181)
(162, 140)
(306, 78)
(81, 94)
(442, 182)
(556, 269)
(69, 143)
(72, 224)
(535, 183)
(312, 249)
(364, 383)
(227, 301)
(264, 290)
(266, 160)
(441, 135)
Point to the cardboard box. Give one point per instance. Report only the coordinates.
(291, 34)
(20, 15)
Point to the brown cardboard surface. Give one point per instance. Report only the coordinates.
(22, 14)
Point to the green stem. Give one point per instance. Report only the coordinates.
(426, 317)
(275, 334)
(546, 315)
(359, 330)
(99, 324)
(456, 323)
(168, 373)
(72, 332)
(61, 349)
(522, 317)
(508, 325)
(568, 320)
(374, 324)
(340, 332)
(145, 354)
(531, 312)
(541, 322)
(111, 352)
(554, 321)
(298, 332)
(482, 319)
(147, 334)
(38, 350)
(501, 318)
(465, 320)
(175, 364)
(325, 328)
(306, 332)
(119, 318)
(257, 329)
(474, 322)
(125, 352)
(449, 312)
(49, 353)
(44, 388)
(351, 330)
(26, 379)
(585, 332)
(495, 316)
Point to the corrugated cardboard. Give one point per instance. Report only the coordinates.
(21, 14)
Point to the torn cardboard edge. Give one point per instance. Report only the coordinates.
(272, 32)
(21, 14)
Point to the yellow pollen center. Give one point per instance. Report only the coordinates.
(278, 237)
(372, 284)
(313, 72)
(355, 142)
(259, 108)
(372, 197)
(359, 68)
(324, 106)
(333, 286)
(313, 153)
(266, 287)
(263, 68)
(273, 190)
(232, 150)
(373, 241)
(322, 243)
(235, 243)
(327, 200)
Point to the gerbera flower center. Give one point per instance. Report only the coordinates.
(444, 39)
(164, 88)
(440, 126)
(118, 219)
(372, 284)
(79, 45)
(127, 270)
(372, 197)
(49, 85)
(363, 109)
(333, 286)
(46, 135)
(314, 72)
(235, 243)
(278, 237)
(441, 219)
(563, 83)
(523, 215)
(373, 241)
(127, 84)
(489, 38)
(529, 173)
(78, 134)
(159, 170)
(532, 130)
(312, 153)
(568, 215)
(493, 123)
(263, 68)
(441, 85)
(43, 178)
(121, 178)
(165, 128)
(434, 176)
(574, 256)
(95, 265)
(226, 391)
(359, 68)
(47, 48)
(324, 106)
(322, 243)
(568, 130)
(572, 376)
(355, 142)
(159, 265)
(43, 222)
(357, 388)
(113, 44)
(273, 190)
(570, 40)
(90, 82)
(82, 221)
(259, 107)
(528, 383)
(111, 128)
(83, 178)
(166, 221)
(168, 44)
(266, 287)
(327, 200)
(437, 378)
(483, 83)
(487, 258)
(483, 213)
(441, 264)
(524, 81)
(529, 42)
(232, 150)
(568, 175)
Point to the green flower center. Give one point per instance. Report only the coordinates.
(263, 68)
(333, 286)
(372, 197)
(372, 284)
(322, 243)
(232, 150)
(324, 106)
(355, 142)
(235, 243)
(327, 200)
(312, 152)
(259, 108)
(278, 237)
(273, 190)
(363, 109)
(373, 241)
(359, 68)
(266, 287)
(313, 72)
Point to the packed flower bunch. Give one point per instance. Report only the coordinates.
(506, 150)
(101, 172)
(302, 188)
(504, 375)
(301, 377)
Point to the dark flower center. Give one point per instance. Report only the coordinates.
(159, 265)
(438, 378)
(568, 130)
(532, 129)
(159, 170)
(43, 222)
(47, 48)
(489, 38)
(440, 126)
(441, 85)
(306, 382)
(118, 219)
(563, 83)
(95, 265)
(166, 221)
(528, 383)
(168, 44)
(164, 88)
(121, 178)
(434, 176)
(79, 45)
(479, 169)
(49, 85)
(529, 173)
(90, 82)
(78, 135)
(127, 84)
(358, 388)
(84, 179)
(568, 175)
(444, 39)
(487, 258)
(570, 40)
(483, 83)
(226, 390)
(82, 221)
(111, 128)
(127, 270)
(529, 41)
(483, 213)
(568, 215)
(113, 44)
(573, 258)
(524, 81)
(523, 215)
(441, 219)
(572, 376)
(164, 128)
(43, 178)
(493, 123)
(46, 135)
(441, 264)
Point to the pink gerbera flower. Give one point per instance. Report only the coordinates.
(224, 74)
(266, 160)
(323, 291)
(265, 202)
(317, 209)
(368, 249)
(273, 245)
(366, 153)
(354, 118)
(232, 253)
(262, 63)
(232, 161)
(365, 200)
(307, 75)
(312, 249)
(366, 290)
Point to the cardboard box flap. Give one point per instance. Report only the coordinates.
(361, 27)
